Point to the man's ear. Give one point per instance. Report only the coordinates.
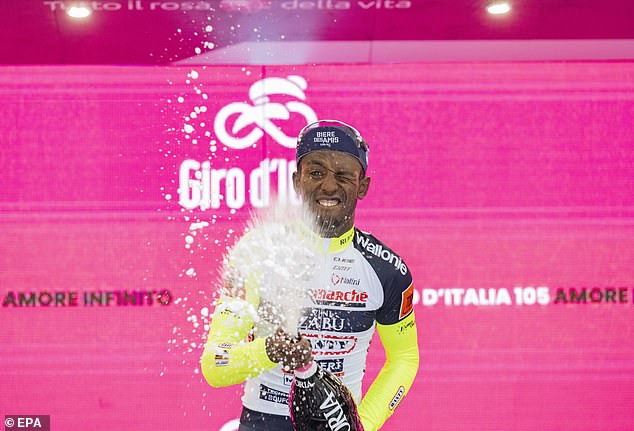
(364, 185)
(296, 182)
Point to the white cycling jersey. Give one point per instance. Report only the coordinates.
(363, 282)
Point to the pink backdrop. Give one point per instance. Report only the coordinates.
(492, 177)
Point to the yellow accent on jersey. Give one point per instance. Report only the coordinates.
(400, 341)
(341, 242)
(229, 358)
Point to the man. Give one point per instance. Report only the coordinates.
(366, 286)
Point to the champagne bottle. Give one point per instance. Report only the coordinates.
(319, 401)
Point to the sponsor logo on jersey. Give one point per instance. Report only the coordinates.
(337, 279)
(343, 259)
(407, 301)
(331, 344)
(341, 268)
(225, 345)
(383, 253)
(273, 395)
(405, 327)
(342, 298)
(397, 397)
(335, 366)
(226, 312)
(222, 355)
(323, 320)
(287, 378)
(347, 239)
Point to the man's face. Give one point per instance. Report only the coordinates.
(330, 182)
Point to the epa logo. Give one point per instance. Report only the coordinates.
(27, 423)
(264, 114)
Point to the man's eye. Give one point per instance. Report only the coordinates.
(316, 174)
(346, 176)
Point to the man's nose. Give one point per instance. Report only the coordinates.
(329, 183)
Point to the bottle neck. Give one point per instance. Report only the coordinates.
(307, 370)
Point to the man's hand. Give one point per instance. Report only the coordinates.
(291, 352)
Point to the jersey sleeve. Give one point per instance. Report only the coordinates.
(400, 341)
(398, 301)
(230, 355)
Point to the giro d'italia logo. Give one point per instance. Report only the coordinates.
(262, 113)
(277, 108)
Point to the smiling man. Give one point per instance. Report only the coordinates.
(367, 287)
(330, 182)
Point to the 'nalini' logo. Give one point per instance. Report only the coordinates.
(262, 111)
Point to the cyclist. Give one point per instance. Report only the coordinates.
(366, 286)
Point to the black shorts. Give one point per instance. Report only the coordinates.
(251, 420)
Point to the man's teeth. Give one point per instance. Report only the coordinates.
(328, 202)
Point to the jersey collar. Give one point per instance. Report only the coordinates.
(328, 245)
(340, 243)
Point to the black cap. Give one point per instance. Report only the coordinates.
(332, 135)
